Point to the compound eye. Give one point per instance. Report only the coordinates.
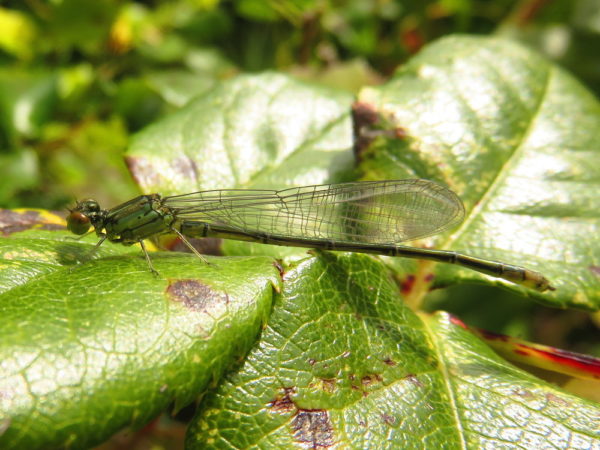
(90, 205)
(78, 223)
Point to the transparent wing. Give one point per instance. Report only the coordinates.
(378, 212)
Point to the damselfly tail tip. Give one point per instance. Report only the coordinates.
(537, 281)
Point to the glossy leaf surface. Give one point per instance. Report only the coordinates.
(344, 363)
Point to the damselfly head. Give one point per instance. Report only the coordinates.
(79, 218)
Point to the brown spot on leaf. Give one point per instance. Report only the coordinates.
(364, 114)
(414, 380)
(313, 427)
(279, 266)
(556, 399)
(368, 124)
(364, 118)
(328, 384)
(185, 168)
(407, 284)
(147, 172)
(595, 270)
(369, 380)
(390, 362)
(205, 246)
(524, 393)
(388, 419)
(195, 295)
(283, 403)
(15, 221)
(144, 171)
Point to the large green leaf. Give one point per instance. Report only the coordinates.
(344, 363)
(517, 138)
(266, 130)
(88, 349)
(26, 102)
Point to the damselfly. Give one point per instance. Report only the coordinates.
(365, 217)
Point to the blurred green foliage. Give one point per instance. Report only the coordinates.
(77, 78)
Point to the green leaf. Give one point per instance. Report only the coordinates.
(344, 363)
(31, 248)
(265, 130)
(517, 138)
(26, 102)
(177, 87)
(20, 171)
(18, 33)
(91, 348)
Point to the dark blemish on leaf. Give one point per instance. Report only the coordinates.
(364, 114)
(362, 423)
(205, 246)
(324, 384)
(312, 361)
(368, 124)
(364, 118)
(390, 362)
(407, 284)
(388, 419)
(556, 399)
(369, 380)
(413, 379)
(185, 168)
(313, 427)
(328, 384)
(595, 270)
(279, 266)
(13, 222)
(195, 295)
(144, 171)
(283, 403)
(429, 277)
(524, 393)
